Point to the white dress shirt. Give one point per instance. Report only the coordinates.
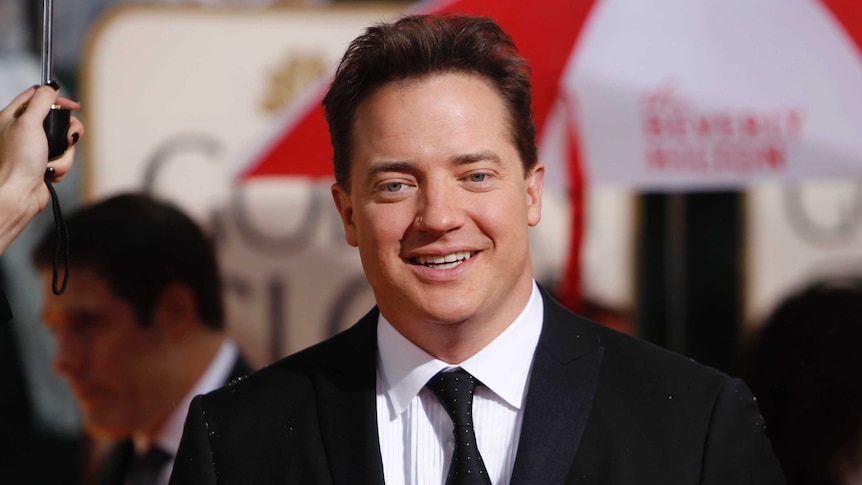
(415, 432)
(168, 438)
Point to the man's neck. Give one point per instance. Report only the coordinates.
(189, 365)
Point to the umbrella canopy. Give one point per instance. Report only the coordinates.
(662, 95)
(688, 95)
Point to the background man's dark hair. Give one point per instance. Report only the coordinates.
(139, 246)
(805, 374)
(420, 46)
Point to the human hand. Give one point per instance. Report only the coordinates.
(24, 157)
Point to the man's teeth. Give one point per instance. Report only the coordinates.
(445, 262)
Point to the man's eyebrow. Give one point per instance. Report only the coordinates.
(378, 168)
(394, 166)
(481, 156)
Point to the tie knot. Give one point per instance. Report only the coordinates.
(455, 392)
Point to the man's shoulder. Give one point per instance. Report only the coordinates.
(640, 356)
(288, 376)
(649, 404)
(623, 354)
(639, 382)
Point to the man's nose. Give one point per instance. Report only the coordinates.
(440, 208)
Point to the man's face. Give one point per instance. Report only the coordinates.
(111, 362)
(439, 206)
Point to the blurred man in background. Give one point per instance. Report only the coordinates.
(139, 331)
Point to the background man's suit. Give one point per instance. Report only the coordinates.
(603, 408)
(113, 467)
(27, 443)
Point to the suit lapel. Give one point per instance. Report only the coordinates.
(348, 409)
(560, 397)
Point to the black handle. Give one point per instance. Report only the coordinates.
(56, 126)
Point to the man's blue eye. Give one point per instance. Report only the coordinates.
(394, 186)
(478, 177)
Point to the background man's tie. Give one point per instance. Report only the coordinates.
(145, 469)
(455, 392)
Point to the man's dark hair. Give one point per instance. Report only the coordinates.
(139, 246)
(423, 45)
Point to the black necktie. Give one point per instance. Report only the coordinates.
(145, 468)
(455, 392)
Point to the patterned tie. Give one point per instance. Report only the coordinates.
(145, 468)
(455, 392)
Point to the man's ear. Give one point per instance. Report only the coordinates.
(535, 186)
(176, 310)
(345, 210)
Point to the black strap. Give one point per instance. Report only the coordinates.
(61, 244)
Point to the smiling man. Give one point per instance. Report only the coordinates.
(466, 371)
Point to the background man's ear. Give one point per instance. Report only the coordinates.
(176, 309)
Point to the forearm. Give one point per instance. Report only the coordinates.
(17, 209)
(19, 204)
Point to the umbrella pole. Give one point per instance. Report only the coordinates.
(675, 267)
(47, 41)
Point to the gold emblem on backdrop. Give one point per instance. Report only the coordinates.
(288, 79)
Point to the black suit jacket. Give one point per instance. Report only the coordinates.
(602, 408)
(112, 469)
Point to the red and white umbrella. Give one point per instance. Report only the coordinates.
(666, 95)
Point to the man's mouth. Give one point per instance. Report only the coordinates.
(444, 261)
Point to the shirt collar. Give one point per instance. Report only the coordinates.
(503, 365)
